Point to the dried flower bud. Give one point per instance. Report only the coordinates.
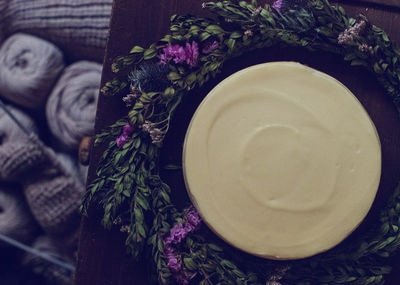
(248, 33)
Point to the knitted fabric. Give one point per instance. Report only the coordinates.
(18, 158)
(78, 27)
(15, 219)
(29, 67)
(52, 194)
(71, 107)
(54, 202)
(53, 274)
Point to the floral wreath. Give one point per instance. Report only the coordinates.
(128, 184)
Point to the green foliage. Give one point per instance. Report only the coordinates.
(128, 185)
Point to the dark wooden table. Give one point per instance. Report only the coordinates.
(102, 259)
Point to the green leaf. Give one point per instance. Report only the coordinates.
(142, 202)
(358, 62)
(385, 37)
(172, 167)
(204, 36)
(189, 264)
(230, 43)
(350, 56)
(150, 53)
(227, 263)
(377, 68)
(141, 230)
(138, 214)
(214, 29)
(236, 35)
(215, 247)
(173, 76)
(137, 49)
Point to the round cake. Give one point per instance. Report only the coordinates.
(282, 161)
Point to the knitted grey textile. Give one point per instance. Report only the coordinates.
(18, 158)
(29, 67)
(52, 194)
(78, 27)
(71, 107)
(15, 219)
(51, 272)
(55, 203)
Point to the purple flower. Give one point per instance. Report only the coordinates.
(163, 59)
(192, 53)
(193, 218)
(179, 54)
(210, 47)
(127, 130)
(175, 52)
(277, 4)
(177, 234)
(121, 140)
(173, 262)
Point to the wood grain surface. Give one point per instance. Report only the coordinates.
(102, 259)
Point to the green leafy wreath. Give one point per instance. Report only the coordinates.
(128, 184)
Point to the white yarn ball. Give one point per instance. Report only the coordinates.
(29, 67)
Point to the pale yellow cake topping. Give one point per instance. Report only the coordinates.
(282, 161)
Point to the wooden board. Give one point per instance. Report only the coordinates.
(102, 259)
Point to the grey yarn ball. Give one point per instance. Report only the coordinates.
(9, 130)
(71, 108)
(29, 67)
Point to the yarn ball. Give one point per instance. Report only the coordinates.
(71, 107)
(16, 221)
(9, 130)
(29, 67)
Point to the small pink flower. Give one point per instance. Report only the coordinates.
(121, 140)
(179, 54)
(277, 4)
(193, 218)
(163, 59)
(173, 262)
(192, 54)
(127, 130)
(210, 47)
(177, 233)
